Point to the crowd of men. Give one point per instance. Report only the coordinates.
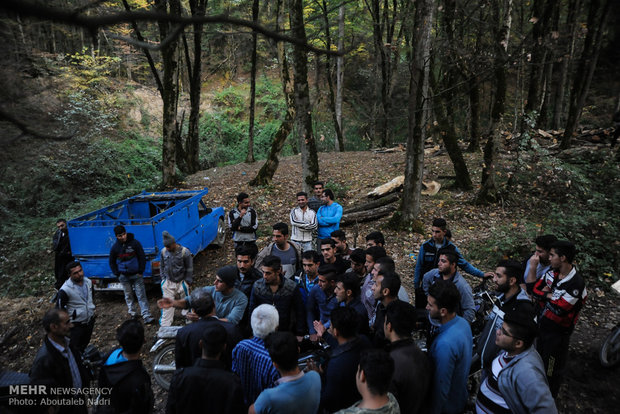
(240, 352)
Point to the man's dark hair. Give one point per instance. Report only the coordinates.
(386, 265)
(378, 367)
(202, 302)
(329, 194)
(513, 268)
(402, 316)
(327, 240)
(328, 271)
(391, 281)
(377, 237)
(213, 340)
(358, 256)
(351, 282)
(242, 196)
(545, 241)
(244, 250)
(565, 248)
(130, 335)
(118, 230)
(61, 220)
(273, 262)
(440, 222)
(339, 234)
(345, 320)
(445, 294)
(283, 349)
(450, 254)
(281, 227)
(318, 183)
(52, 316)
(302, 194)
(311, 255)
(522, 325)
(71, 265)
(375, 252)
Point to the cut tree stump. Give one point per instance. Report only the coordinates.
(367, 215)
(373, 204)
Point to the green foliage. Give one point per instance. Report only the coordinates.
(340, 190)
(92, 69)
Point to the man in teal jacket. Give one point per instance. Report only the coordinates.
(329, 215)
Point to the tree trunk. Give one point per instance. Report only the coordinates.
(192, 142)
(303, 111)
(340, 74)
(418, 100)
(488, 190)
(170, 63)
(597, 18)
(330, 82)
(574, 7)
(265, 174)
(250, 156)
(450, 140)
(474, 108)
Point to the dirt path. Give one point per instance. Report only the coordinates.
(588, 389)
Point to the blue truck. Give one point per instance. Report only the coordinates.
(184, 214)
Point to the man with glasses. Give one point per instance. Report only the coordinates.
(516, 382)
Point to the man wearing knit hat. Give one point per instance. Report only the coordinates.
(127, 261)
(177, 270)
(230, 302)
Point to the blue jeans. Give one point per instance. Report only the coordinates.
(135, 284)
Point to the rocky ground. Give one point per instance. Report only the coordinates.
(589, 388)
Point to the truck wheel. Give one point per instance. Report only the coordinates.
(164, 366)
(220, 237)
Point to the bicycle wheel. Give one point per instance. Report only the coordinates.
(609, 354)
(164, 366)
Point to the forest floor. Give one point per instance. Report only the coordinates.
(588, 388)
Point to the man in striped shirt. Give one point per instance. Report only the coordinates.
(516, 382)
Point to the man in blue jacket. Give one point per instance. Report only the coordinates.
(450, 351)
(127, 261)
(428, 257)
(329, 215)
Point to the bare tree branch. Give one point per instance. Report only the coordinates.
(26, 130)
(93, 23)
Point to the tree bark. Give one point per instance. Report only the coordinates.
(340, 74)
(418, 100)
(597, 19)
(265, 174)
(250, 156)
(192, 141)
(170, 63)
(303, 111)
(488, 191)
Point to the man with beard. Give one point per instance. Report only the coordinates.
(303, 222)
(446, 270)
(512, 298)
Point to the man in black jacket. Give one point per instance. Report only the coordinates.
(207, 386)
(127, 261)
(58, 364)
(123, 372)
(411, 379)
(187, 349)
(62, 252)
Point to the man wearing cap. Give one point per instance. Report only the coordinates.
(127, 261)
(177, 270)
(230, 302)
(517, 382)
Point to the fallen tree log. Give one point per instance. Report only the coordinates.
(367, 215)
(390, 187)
(373, 204)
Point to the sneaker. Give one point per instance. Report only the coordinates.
(150, 320)
(133, 316)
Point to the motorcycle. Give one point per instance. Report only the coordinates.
(609, 353)
(163, 363)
